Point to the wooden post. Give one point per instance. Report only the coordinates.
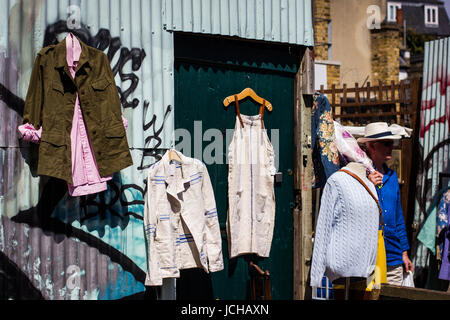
(357, 98)
(297, 280)
(415, 107)
(302, 213)
(333, 96)
(380, 91)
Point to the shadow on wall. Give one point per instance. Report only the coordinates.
(13, 281)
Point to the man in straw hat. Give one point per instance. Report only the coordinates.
(379, 142)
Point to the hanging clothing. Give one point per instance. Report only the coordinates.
(436, 221)
(443, 229)
(444, 272)
(56, 86)
(251, 195)
(442, 214)
(180, 220)
(325, 152)
(346, 235)
(85, 174)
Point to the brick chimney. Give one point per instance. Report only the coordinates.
(399, 17)
(385, 43)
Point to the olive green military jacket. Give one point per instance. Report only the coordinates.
(50, 103)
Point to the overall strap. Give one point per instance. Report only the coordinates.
(368, 190)
(261, 112)
(237, 110)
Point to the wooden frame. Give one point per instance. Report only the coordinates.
(444, 180)
(396, 164)
(360, 105)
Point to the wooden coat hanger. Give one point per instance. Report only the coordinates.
(174, 156)
(247, 92)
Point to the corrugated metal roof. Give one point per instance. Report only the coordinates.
(93, 247)
(434, 132)
(288, 21)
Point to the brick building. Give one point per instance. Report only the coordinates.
(357, 41)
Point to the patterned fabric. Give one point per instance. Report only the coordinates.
(443, 233)
(442, 213)
(325, 153)
(436, 221)
(348, 147)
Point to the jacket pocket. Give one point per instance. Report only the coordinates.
(56, 139)
(54, 145)
(101, 84)
(115, 131)
(57, 86)
(115, 140)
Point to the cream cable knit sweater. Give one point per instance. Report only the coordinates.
(345, 243)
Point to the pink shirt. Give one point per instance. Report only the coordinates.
(85, 175)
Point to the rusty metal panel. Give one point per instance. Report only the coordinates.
(287, 21)
(434, 136)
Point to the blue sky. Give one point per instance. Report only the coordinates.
(447, 6)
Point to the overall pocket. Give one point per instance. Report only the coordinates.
(261, 199)
(235, 210)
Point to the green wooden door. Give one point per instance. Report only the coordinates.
(208, 69)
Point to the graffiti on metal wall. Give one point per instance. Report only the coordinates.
(105, 227)
(435, 112)
(434, 144)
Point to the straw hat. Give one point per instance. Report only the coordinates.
(378, 131)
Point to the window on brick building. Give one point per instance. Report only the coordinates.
(392, 11)
(431, 15)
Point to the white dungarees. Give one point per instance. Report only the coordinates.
(251, 196)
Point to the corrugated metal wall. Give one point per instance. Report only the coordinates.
(434, 133)
(93, 247)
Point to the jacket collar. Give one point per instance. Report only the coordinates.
(388, 173)
(175, 185)
(61, 52)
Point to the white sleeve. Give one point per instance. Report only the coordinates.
(153, 277)
(323, 232)
(213, 237)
